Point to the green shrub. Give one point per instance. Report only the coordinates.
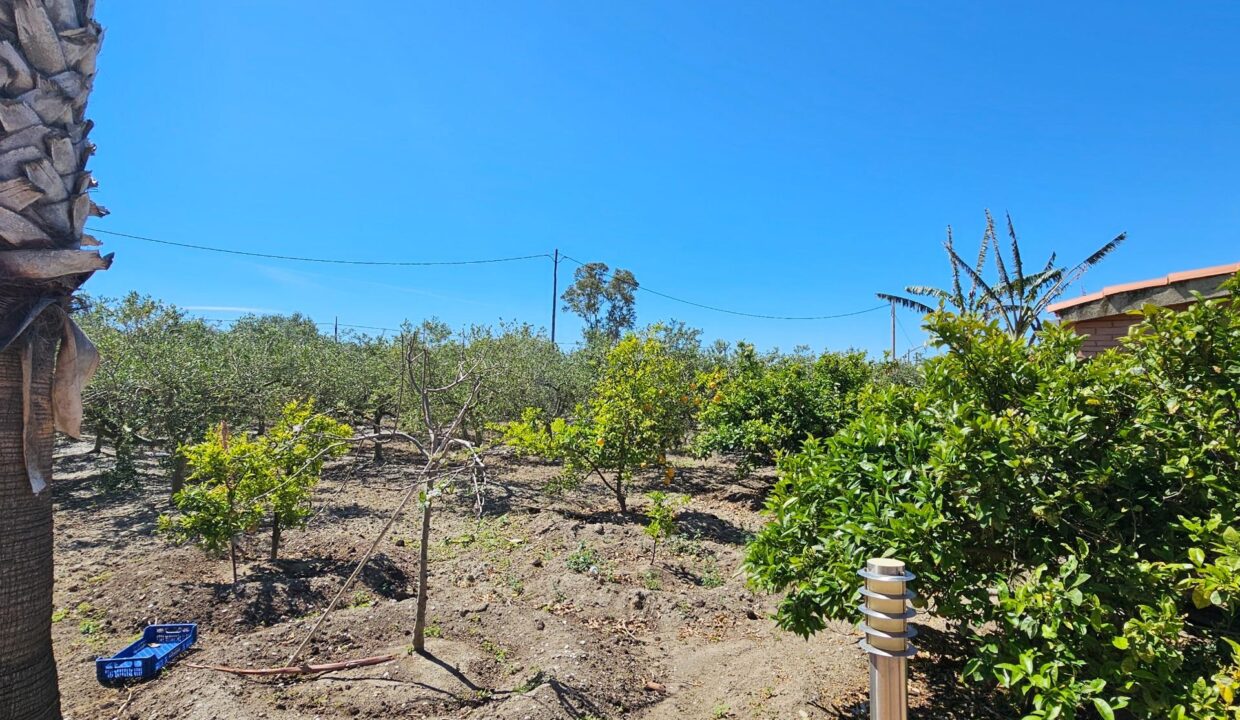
(227, 473)
(237, 480)
(298, 445)
(1098, 498)
(762, 407)
(661, 516)
(637, 411)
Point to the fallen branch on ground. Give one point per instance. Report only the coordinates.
(298, 669)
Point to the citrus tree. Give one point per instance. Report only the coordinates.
(661, 517)
(237, 480)
(227, 474)
(297, 445)
(1075, 518)
(760, 407)
(639, 409)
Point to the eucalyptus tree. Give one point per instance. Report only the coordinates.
(47, 67)
(1015, 298)
(605, 304)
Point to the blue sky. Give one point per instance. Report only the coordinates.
(776, 158)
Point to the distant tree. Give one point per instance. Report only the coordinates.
(1017, 300)
(605, 304)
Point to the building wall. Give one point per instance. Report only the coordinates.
(1104, 332)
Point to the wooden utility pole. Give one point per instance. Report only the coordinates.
(555, 289)
(893, 331)
(336, 329)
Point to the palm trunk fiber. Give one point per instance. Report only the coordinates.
(28, 686)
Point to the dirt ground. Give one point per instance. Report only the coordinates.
(514, 631)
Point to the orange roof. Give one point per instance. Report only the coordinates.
(1174, 277)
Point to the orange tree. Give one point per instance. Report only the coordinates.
(761, 407)
(237, 480)
(1079, 520)
(638, 410)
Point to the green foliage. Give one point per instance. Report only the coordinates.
(1098, 498)
(166, 378)
(762, 407)
(711, 577)
(661, 515)
(605, 304)
(238, 480)
(639, 408)
(162, 377)
(1016, 299)
(1214, 582)
(582, 559)
(298, 445)
(228, 474)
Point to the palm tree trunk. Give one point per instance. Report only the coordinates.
(47, 67)
(28, 688)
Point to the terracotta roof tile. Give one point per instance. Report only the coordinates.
(1174, 277)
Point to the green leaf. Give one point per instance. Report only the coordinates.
(1120, 642)
(1197, 556)
(1104, 709)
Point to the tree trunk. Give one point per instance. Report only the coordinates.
(275, 538)
(419, 623)
(232, 556)
(46, 75)
(98, 442)
(620, 492)
(28, 687)
(179, 468)
(377, 426)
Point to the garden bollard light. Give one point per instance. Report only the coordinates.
(887, 633)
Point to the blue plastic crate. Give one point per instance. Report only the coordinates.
(145, 658)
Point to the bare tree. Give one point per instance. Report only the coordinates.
(441, 439)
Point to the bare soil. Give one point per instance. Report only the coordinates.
(515, 632)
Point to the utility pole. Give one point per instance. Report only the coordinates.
(893, 331)
(555, 289)
(336, 329)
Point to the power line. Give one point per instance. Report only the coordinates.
(358, 327)
(906, 335)
(329, 261)
(761, 316)
(431, 263)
